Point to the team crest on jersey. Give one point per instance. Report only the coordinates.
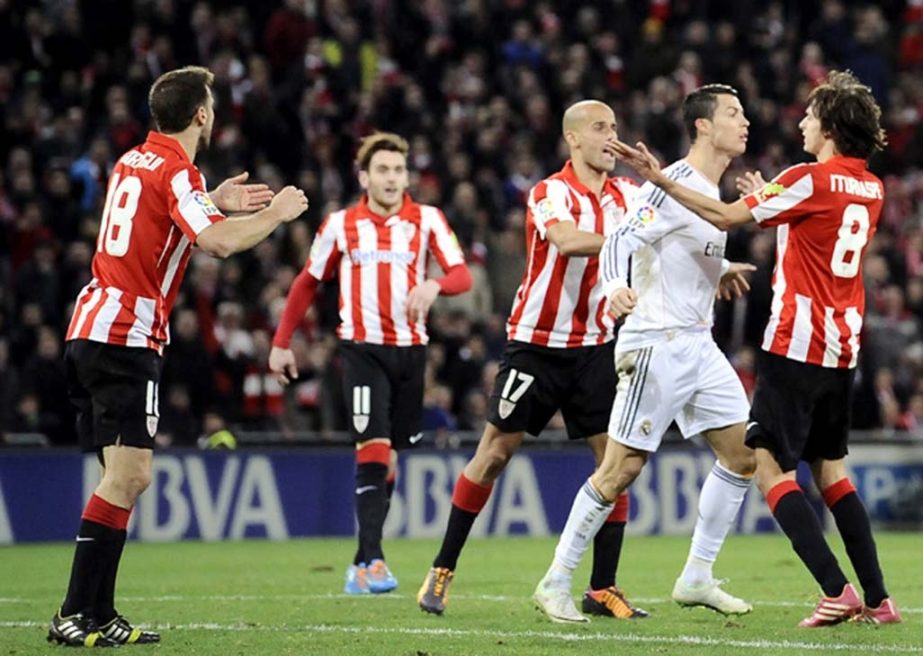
(205, 202)
(360, 422)
(505, 408)
(152, 425)
(646, 427)
(770, 190)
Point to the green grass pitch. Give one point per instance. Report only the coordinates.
(259, 597)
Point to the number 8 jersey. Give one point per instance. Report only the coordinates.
(826, 214)
(156, 206)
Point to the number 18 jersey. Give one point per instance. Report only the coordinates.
(826, 214)
(156, 206)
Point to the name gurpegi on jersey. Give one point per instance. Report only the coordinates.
(156, 206)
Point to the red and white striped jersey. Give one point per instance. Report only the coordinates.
(379, 259)
(826, 214)
(560, 302)
(156, 206)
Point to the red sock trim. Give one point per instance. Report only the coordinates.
(470, 496)
(102, 512)
(620, 510)
(837, 491)
(779, 490)
(374, 452)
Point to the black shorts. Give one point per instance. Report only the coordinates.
(800, 411)
(383, 388)
(534, 382)
(115, 391)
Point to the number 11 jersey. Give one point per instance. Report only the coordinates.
(826, 214)
(156, 206)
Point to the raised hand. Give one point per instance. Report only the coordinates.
(640, 159)
(291, 202)
(749, 182)
(734, 283)
(233, 195)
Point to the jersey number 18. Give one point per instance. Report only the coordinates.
(118, 213)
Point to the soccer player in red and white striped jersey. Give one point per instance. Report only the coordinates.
(380, 249)
(826, 213)
(560, 350)
(156, 210)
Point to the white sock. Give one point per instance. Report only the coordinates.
(720, 499)
(586, 517)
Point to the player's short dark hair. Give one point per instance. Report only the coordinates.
(176, 96)
(849, 115)
(379, 141)
(702, 103)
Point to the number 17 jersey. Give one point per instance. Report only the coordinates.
(826, 214)
(156, 206)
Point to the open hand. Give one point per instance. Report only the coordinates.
(749, 182)
(233, 195)
(421, 298)
(640, 159)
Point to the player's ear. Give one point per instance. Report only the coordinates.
(364, 179)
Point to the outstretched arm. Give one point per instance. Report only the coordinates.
(571, 241)
(721, 215)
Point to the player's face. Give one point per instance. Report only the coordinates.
(596, 138)
(811, 132)
(205, 138)
(386, 179)
(729, 126)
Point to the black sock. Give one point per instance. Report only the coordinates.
(92, 559)
(456, 534)
(104, 609)
(607, 549)
(800, 524)
(852, 521)
(371, 502)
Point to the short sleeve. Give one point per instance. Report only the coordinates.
(549, 203)
(442, 240)
(788, 197)
(325, 255)
(191, 208)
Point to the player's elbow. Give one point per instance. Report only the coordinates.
(216, 245)
(567, 247)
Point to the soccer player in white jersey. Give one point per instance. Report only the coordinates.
(826, 213)
(668, 365)
(380, 249)
(559, 353)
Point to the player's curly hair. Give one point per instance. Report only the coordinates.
(849, 115)
(701, 103)
(379, 141)
(176, 96)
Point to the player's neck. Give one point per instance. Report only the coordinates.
(827, 151)
(708, 161)
(591, 178)
(383, 210)
(189, 140)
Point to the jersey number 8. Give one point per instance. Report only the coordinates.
(847, 253)
(118, 213)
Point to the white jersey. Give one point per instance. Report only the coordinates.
(678, 259)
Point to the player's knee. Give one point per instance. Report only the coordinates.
(742, 462)
(495, 460)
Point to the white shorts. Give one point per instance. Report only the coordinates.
(686, 378)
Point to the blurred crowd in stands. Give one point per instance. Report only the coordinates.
(478, 88)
